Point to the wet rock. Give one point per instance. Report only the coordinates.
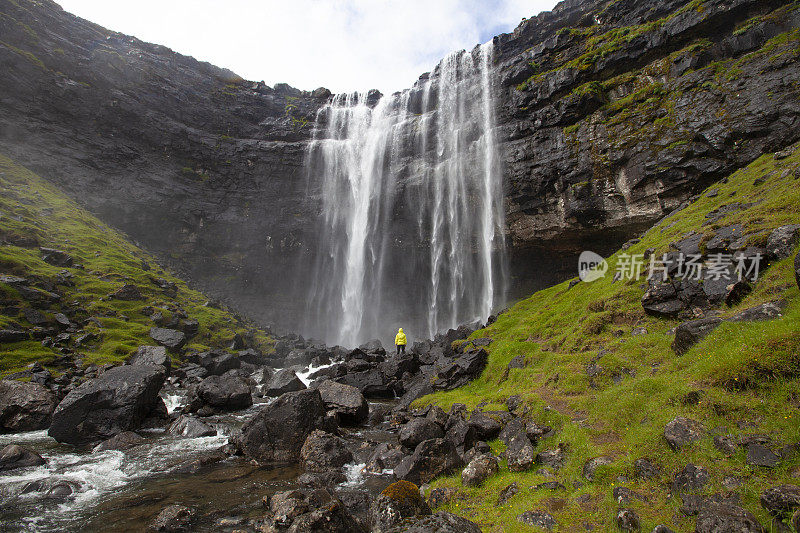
(172, 339)
(479, 469)
(24, 406)
(507, 493)
(781, 499)
(278, 432)
(538, 518)
(520, 453)
(720, 517)
(116, 401)
(328, 478)
(13, 456)
(373, 346)
(174, 518)
(760, 455)
(592, 465)
(441, 496)
(386, 456)
(127, 292)
(418, 430)
(687, 334)
(228, 392)
(462, 435)
(121, 441)
(431, 458)
(347, 402)
(782, 240)
(395, 503)
(628, 520)
(646, 469)
(681, 432)
(191, 428)
(56, 257)
(323, 451)
(440, 522)
(462, 370)
(61, 490)
(286, 506)
(283, 381)
(691, 479)
(152, 356)
(331, 517)
(218, 362)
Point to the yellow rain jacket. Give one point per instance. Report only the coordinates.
(400, 338)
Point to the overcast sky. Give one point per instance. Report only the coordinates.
(344, 45)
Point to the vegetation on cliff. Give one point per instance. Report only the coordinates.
(602, 373)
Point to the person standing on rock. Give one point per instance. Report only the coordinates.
(400, 341)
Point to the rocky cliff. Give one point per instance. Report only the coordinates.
(611, 114)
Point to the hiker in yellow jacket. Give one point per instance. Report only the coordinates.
(400, 341)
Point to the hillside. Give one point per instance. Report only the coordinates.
(95, 298)
(588, 361)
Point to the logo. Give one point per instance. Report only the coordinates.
(591, 267)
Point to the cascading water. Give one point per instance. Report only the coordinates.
(412, 216)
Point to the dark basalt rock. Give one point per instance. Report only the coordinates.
(152, 356)
(441, 522)
(781, 499)
(687, 334)
(520, 453)
(191, 428)
(127, 292)
(13, 456)
(56, 257)
(681, 431)
(121, 441)
(628, 520)
(418, 430)
(431, 458)
(782, 240)
(283, 381)
(346, 401)
(218, 362)
(323, 451)
(174, 518)
(277, 433)
(538, 518)
(718, 517)
(462, 370)
(397, 502)
(691, 479)
(172, 339)
(118, 400)
(479, 469)
(228, 392)
(24, 406)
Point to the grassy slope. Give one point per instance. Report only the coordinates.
(560, 330)
(109, 261)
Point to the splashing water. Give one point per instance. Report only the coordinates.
(412, 216)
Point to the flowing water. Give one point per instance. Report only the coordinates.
(412, 215)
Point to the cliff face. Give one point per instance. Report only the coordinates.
(611, 114)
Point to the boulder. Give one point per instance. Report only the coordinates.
(781, 499)
(462, 435)
(431, 458)
(13, 456)
(228, 392)
(13, 335)
(418, 430)
(190, 427)
(127, 292)
(24, 406)
(553, 458)
(520, 453)
(346, 401)
(537, 518)
(386, 456)
(765, 311)
(172, 339)
(277, 433)
(782, 240)
(507, 493)
(479, 469)
(687, 334)
(462, 370)
(372, 384)
(440, 522)
(174, 518)
(760, 455)
(121, 441)
(486, 427)
(116, 401)
(152, 356)
(726, 518)
(395, 503)
(283, 381)
(331, 517)
(691, 479)
(217, 362)
(681, 432)
(323, 451)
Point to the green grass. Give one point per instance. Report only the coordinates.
(32, 207)
(746, 373)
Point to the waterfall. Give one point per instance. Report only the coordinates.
(411, 221)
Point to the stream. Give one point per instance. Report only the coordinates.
(87, 490)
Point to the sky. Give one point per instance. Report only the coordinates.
(344, 45)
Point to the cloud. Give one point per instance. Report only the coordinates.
(344, 45)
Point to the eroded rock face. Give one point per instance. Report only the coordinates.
(24, 406)
(118, 400)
